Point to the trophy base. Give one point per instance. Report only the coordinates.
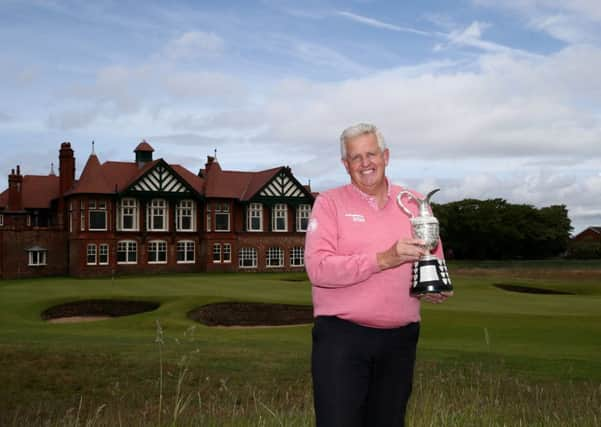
(430, 276)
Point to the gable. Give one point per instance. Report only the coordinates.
(160, 179)
(283, 185)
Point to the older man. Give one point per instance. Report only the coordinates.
(358, 255)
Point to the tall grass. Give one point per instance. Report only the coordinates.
(445, 394)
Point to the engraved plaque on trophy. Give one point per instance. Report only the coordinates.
(430, 274)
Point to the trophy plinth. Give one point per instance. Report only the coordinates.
(430, 274)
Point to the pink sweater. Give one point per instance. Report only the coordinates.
(345, 232)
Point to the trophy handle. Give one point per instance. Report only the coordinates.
(399, 199)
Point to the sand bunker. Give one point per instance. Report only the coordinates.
(252, 314)
(92, 310)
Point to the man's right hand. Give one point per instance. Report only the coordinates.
(404, 250)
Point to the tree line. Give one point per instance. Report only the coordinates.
(495, 229)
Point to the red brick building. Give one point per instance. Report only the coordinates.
(150, 216)
(591, 234)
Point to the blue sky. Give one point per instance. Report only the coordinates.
(481, 100)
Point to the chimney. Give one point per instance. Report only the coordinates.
(143, 154)
(211, 163)
(66, 167)
(15, 190)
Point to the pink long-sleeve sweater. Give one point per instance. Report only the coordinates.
(345, 231)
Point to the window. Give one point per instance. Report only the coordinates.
(297, 257)
(127, 216)
(216, 252)
(208, 217)
(70, 217)
(103, 254)
(254, 217)
(127, 252)
(185, 216)
(227, 252)
(157, 252)
(185, 252)
(157, 217)
(37, 257)
(247, 258)
(275, 257)
(280, 217)
(82, 216)
(91, 254)
(97, 215)
(302, 217)
(1, 220)
(29, 220)
(222, 217)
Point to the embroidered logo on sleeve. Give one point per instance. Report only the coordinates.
(356, 217)
(312, 226)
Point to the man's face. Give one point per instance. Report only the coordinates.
(366, 163)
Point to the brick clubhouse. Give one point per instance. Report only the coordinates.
(150, 216)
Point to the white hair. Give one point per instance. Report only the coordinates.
(358, 130)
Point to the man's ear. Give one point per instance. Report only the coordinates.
(346, 165)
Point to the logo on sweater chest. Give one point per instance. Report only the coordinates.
(355, 217)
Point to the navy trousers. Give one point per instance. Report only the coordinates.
(362, 377)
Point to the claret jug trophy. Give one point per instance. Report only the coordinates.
(430, 274)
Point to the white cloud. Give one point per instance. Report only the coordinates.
(194, 45)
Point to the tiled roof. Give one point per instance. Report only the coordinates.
(236, 184)
(112, 177)
(38, 191)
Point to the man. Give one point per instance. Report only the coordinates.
(358, 255)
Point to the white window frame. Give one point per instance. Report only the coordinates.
(103, 249)
(274, 253)
(128, 207)
(227, 253)
(70, 217)
(223, 209)
(247, 254)
(208, 217)
(279, 210)
(254, 210)
(216, 253)
(92, 251)
(185, 208)
(128, 245)
(157, 208)
(296, 253)
(303, 212)
(41, 258)
(186, 244)
(157, 247)
(82, 217)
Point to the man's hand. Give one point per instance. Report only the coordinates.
(436, 298)
(404, 250)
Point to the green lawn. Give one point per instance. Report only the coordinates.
(485, 351)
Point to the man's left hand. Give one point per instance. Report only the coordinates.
(436, 298)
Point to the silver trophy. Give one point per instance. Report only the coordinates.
(430, 274)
